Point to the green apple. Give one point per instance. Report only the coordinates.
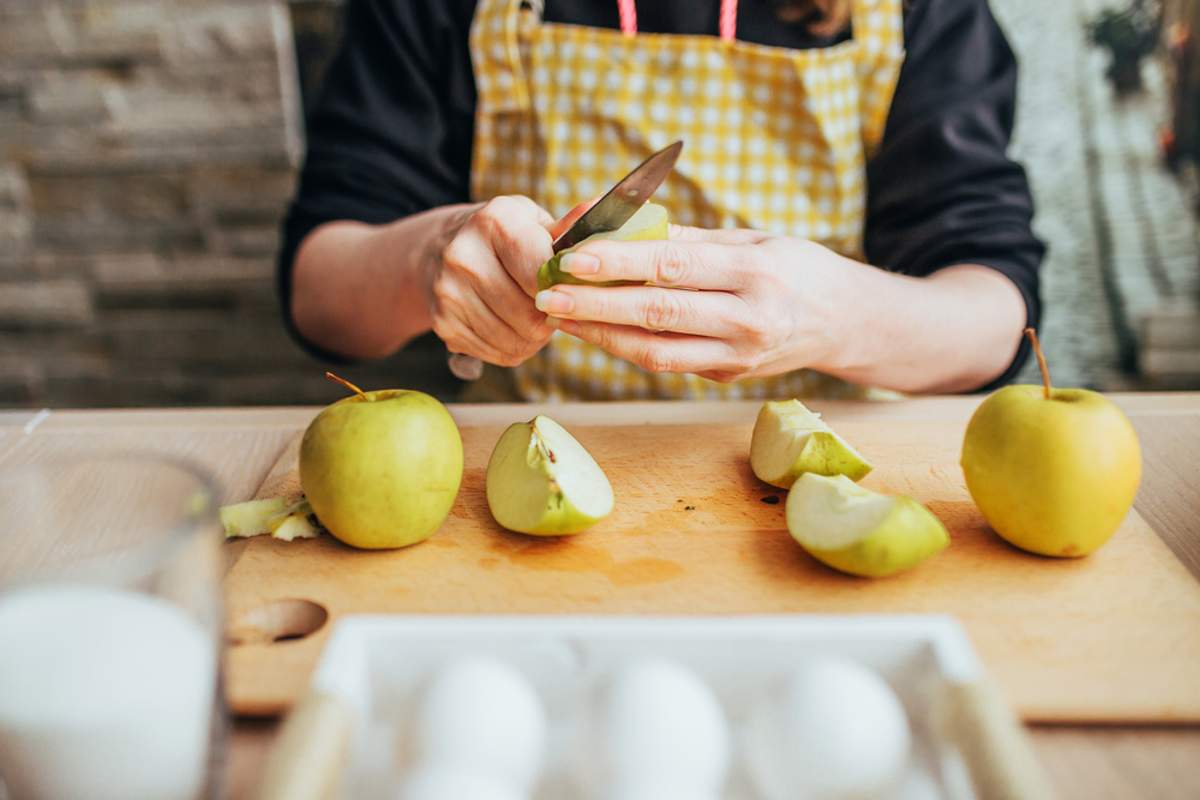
(858, 531)
(540, 480)
(1054, 471)
(381, 469)
(789, 440)
(648, 222)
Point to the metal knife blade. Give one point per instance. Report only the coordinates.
(609, 213)
(623, 200)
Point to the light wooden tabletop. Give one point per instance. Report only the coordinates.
(240, 445)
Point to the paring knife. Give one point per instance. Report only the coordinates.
(609, 213)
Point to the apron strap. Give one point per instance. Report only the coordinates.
(726, 24)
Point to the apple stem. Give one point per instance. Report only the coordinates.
(1031, 334)
(346, 383)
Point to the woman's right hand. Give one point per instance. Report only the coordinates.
(480, 286)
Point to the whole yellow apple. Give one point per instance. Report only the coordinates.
(381, 469)
(1054, 471)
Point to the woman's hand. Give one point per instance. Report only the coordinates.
(480, 283)
(725, 304)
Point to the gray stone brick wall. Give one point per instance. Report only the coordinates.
(147, 152)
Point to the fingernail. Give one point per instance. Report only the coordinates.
(579, 264)
(552, 302)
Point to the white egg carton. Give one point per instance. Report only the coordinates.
(343, 740)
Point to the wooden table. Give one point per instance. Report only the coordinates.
(240, 445)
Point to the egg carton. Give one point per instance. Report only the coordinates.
(345, 736)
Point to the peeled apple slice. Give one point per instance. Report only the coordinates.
(251, 518)
(283, 518)
(858, 531)
(789, 440)
(648, 222)
(540, 480)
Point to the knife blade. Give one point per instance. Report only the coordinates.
(623, 200)
(609, 213)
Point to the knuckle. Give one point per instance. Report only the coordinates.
(453, 253)
(443, 291)
(662, 312)
(653, 360)
(447, 331)
(672, 264)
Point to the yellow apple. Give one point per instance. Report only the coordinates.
(381, 469)
(1054, 471)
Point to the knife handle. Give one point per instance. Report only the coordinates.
(466, 368)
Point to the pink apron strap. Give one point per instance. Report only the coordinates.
(727, 23)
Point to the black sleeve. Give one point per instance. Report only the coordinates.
(941, 189)
(390, 132)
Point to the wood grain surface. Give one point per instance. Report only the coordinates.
(1086, 762)
(694, 533)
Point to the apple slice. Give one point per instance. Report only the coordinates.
(858, 531)
(648, 222)
(789, 440)
(285, 518)
(297, 525)
(540, 480)
(252, 517)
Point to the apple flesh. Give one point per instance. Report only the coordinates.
(858, 531)
(648, 222)
(298, 525)
(253, 517)
(789, 441)
(381, 469)
(281, 517)
(1052, 476)
(541, 481)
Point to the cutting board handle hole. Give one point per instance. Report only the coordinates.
(278, 621)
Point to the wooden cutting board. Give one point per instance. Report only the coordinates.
(1114, 637)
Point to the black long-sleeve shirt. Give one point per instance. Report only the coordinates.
(391, 132)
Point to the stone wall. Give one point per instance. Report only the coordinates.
(147, 152)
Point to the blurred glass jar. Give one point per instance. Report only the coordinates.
(110, 629)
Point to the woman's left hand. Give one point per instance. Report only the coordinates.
(724, 304)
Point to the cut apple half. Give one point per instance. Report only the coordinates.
(858, 531)
(789, 440)
(541, 481)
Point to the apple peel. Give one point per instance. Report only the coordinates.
(858, 531)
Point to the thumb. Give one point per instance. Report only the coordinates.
(561, 226)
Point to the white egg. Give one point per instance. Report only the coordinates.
(834, 730)
(482, 717)
(657, 725)
(657, 788)
(440, 782)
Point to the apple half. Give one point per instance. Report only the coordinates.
(789, 441)
(858, 531)
(541, 481)
(648, 222)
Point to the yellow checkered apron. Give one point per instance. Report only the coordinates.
(775, 139)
